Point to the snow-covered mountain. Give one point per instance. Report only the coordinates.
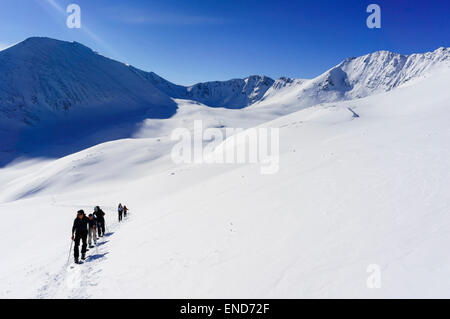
(50, 87)
(43, 77)
(355, 78)
(60, 97)
(234, 94)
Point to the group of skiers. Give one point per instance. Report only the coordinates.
(87, 229)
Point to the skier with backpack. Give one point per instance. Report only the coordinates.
(100, 217)
(92, 231)
(80, 233)
(120, 211)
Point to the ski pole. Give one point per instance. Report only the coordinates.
(70, 250)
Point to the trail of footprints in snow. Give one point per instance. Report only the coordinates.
(72, 280)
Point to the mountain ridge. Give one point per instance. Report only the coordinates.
(234, 93)
(44, 76)
(357, 77)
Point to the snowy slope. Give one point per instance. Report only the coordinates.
(282, 85)
(361, 182)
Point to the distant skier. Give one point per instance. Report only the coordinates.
(120, 211)
(99, 215)
(125, 211)
(80, 232)
(92, 233)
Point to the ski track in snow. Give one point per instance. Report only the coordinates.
(73, 281)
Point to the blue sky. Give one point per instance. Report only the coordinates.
(193, 41)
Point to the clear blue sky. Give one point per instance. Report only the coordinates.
(188, 41)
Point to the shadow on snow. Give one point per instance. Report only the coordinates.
(96, 256)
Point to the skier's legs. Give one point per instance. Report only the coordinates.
(90, 235)
(76, 249)
(103, 228)
(100, 225)
(84, 245)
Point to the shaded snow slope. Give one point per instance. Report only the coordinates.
(60, 97)
(361, 182)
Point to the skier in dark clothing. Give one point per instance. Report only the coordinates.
(100, 218)
(80, 232)
(125, 211)
(120, 211)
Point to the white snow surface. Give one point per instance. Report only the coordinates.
(362, 181)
